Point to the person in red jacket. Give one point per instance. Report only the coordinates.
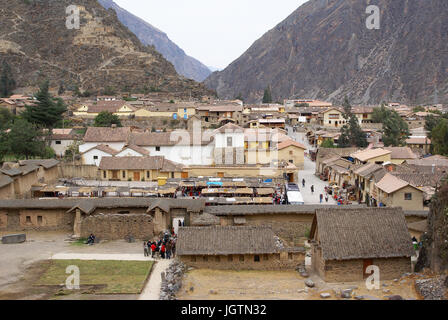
(162, 251)
(153, 249)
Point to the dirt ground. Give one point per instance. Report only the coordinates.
(205, 284)
(22, 264)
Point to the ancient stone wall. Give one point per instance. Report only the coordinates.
(245, 262)
(118, 226)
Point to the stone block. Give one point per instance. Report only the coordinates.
(14, 238)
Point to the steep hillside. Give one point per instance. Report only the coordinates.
(102, 53)
(149, 35)
(324, 50)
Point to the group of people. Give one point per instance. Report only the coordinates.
(164, 248)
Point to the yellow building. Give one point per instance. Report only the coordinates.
(138, 168)
(120, 108)
(378, 156)
(292, 152)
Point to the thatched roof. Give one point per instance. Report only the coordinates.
(225, 240)
(346, 234)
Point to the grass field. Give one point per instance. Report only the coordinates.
(107, 277)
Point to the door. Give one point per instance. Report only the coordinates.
(115, 175)
(367, 263)
(220, 174)
(136, 176)
(184, 175)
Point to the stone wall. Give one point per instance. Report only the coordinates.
(36, 219)
(118, 226)
(353, 270)
(245, 262)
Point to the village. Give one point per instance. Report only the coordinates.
(266, 192)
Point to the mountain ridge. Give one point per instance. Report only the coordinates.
(323, 50)
(150, 35)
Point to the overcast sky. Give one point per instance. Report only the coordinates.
(215, 32)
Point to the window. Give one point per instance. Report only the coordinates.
(124, 174)
(291, 153)
(58, 142)
(104, 174)
(241, 258)
(229, 142)
(230, 258)
(408, 196)
(256, 258)
(95, 157)
(39, 219)
(157, 148)
(147, 174)
(291, 161)
(290, 256)
(28, 219)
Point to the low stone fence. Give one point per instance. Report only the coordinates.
(172, 282)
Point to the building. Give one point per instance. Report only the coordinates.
(148, 168)
(419, 144)
(378, 156)
(392, 191)
(61, 139)
(332, 117)
(235, 248)
(216, 116)
(120, 108)
(94, 155)
(114, 137)
(292, 152)
(6, 187)
(346, 242)
(401, 154)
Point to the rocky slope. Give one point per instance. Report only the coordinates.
(324, 50)
(102, 53)
(149, 35)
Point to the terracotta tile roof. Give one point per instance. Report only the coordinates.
(109, 106)
(225, 240)
(290, 142)
(148, 139)
(138, 149)
(390, 183)
(104, 148)
(368, 154)
(139, 163)
(101, 134)
(401, 153)
(418, 140)
(368, 169)
(230, 127)
(362, 233)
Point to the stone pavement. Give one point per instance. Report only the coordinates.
(309, 175)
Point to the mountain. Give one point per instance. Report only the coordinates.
(324, 50)
(102, 53)
(149, 35)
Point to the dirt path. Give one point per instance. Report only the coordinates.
(152, 289)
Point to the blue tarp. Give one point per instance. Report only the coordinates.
(214, 183)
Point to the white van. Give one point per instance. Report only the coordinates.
(294, 197)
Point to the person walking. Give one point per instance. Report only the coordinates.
(321, 197)
(162, 251)
(168, 250)
(145, 249)
(312, 189)
(303, 183)
(153, 249)
(326, 198)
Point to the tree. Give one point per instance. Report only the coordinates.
(47, 112)
(267, 97)
(430, 123)
(6, 118)
(7, 82)
(72, 151)
(378, 114)
(419, 109)
(351, 133)
(24, 140)
(109, 91)
(395, 130)
(328, 143)
(440, 138)
(107, 119)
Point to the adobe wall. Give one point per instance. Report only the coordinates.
(78, 171)
(51, 175)
(120, 211)
(352, 270)
(23, 184)
(233, 262)
(36, 219)
(118, 226)
(7, 192)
